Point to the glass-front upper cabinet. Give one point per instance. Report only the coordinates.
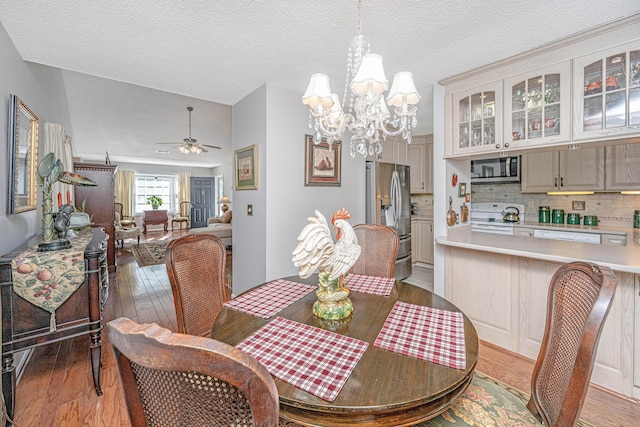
(607, 93)
(477, 120)
(537, 107)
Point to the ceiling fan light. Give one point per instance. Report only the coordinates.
(183, 149)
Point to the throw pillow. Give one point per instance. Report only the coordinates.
(226, 217)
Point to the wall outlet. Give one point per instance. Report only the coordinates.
(249, 210)
(577, 205)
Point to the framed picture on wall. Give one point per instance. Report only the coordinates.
(246, 164)
(462, 189)
(322, 163)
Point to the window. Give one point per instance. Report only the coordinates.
(161, 186)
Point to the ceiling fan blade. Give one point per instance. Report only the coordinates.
(204, 150)
(172, 143)
(211, 146)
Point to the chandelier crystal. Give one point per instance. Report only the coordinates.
(368, 117)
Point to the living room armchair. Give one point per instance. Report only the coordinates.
(122, 233)
(126, 221)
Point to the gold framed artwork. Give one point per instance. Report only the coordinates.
(322, 163)
(23, 157)
(246, 164)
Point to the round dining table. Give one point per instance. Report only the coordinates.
(385, 388)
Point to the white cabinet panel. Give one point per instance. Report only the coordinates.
(567, 170)
(623, 167)
(606, 87)
(483, 285)
(537, 107)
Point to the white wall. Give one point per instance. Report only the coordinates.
(276, 119)
(42, 89)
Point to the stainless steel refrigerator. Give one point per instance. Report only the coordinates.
(388, 202)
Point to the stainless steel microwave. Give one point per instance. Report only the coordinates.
(503, 169)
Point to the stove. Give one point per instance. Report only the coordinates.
(487, 217)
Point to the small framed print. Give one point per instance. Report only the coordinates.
(462, 189)
(467, 197)
(322, 163)
(247, 168)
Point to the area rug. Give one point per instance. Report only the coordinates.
(487, 402)
(149, 253)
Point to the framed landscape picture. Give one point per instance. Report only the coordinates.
(246, 164)
(322, 163)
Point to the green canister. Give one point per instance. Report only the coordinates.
(636, 219)
(544, 214)
(573, 218)
(557, 216)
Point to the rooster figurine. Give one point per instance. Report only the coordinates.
(317, 251)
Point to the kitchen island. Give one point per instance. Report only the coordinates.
(501, 283)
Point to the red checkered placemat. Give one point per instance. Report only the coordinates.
(425, 333)
(369, 284)
(312, 359)
(270, 298)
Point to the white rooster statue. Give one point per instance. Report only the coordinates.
(317, 251)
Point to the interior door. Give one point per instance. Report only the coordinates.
(203, 200)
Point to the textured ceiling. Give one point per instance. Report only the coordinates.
(222, 50)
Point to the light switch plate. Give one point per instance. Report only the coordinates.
(249, 210)
(577, 205)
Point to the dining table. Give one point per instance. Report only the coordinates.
(385, 388)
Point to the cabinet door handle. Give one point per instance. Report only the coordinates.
(506, 145)
(555, 182)
(561, 181)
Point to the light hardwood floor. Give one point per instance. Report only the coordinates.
(57, 388)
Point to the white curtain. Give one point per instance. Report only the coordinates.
(124, 183)
(56, 142)
(184, 188)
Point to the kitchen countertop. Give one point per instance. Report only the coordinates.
(618, 258)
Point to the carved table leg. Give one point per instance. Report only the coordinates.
(96, 350)
(9, 384)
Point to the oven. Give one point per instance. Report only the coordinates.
(488, 217)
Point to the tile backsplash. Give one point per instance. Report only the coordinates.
(425, 201)
(612, 209)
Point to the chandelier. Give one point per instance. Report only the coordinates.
(368, 117)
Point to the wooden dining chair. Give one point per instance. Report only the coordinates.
(195, 266)
(379, 250)
(579, 299)
(172, 379)
(183, 215)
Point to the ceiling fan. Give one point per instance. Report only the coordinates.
(190, 145)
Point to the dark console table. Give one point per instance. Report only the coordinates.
(25, 325)
(155, 216)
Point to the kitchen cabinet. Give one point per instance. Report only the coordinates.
(606, 87)
(506, 298)
(394, 150)
(614, 356)
(523, 231)
(422, 241)
(414, 242)
(420, 160)
(566, 170)
(477, 120)
(622, 168)
(537, 107)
